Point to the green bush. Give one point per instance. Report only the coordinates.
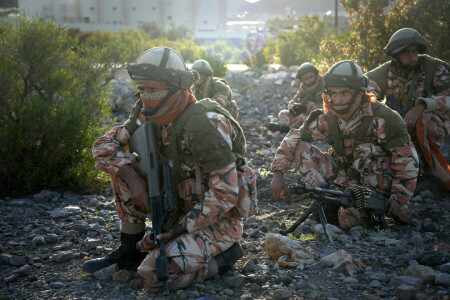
(52, 104)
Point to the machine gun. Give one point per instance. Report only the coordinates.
(357, 196)
(162, 201)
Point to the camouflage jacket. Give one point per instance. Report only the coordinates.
(436, 97)
(403, 159)
(217, 89)
(219, 188)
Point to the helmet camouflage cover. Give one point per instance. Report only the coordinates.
(402, 39)
(163, 64)
(346, 73)
(202, 66)
(305, 68)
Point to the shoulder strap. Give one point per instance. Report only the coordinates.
(430, 65)
(380, 75)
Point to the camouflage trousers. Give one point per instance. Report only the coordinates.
(371, 166)
(286, 119)
(188, 256)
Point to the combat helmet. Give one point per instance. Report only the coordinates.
(402, 39)
(202, 66)
(305, 68)
(346, 73)
(163, 64)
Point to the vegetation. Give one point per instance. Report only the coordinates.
(372, 24)
(52, 105)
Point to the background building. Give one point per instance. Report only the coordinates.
(201, 17)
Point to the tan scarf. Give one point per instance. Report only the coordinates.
(328, 105)
(173, 106)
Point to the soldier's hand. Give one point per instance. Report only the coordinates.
(146, 244)
(397, 211)
(277, 186)
(137, 186)
(413, 115)
(176, 231)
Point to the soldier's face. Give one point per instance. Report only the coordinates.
(308, 78)
(341, 97)
(409, 56)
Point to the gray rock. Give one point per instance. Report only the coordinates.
(405, 292)
(375, 284)
(445, 268)
(56, 285)
(416, 240)
(235, 282)
(46, 196)
(50, 238)
(249, 266)
(425, 273)
(406, 280)
(63, 256)
(5, 258)
(17, 260)
(23, 271)
(20, 202)
(106, 273)
(442, 279)
(280, 294)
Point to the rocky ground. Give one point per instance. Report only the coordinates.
(45, 237)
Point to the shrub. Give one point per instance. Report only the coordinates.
(52, 105)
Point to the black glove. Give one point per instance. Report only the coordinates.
(298, 109)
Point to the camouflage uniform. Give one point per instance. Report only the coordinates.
(435, 116)
(393, 171)
(312, 101)
(211, 223)
(217, 89)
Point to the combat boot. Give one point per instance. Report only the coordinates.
(227, 259)
(126, 256)
(274, 127)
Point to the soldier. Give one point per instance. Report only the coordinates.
(370, 147)
(418, 87)
(199, 143)
(213, 87)
(307, 99)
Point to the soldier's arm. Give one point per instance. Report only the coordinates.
(222, 94)
(441, 83)
(404, 164)
(375, 89)
(110, 150)
(222, 187)
(317, 130)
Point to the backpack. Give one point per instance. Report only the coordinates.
(213, 152)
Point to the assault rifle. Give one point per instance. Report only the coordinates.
(162, 202)
(358, 197)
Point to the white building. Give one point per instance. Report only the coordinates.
(202, 17)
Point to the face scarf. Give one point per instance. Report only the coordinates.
(351, 108)
(305, 89)
(173, 106)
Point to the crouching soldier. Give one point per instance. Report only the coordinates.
(417, 86)
(214, 88)
(370, 147)
(205, 148)
(307, 99)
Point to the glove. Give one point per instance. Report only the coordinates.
(298, 109)
(397, 211)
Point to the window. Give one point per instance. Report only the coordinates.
(169, 17)
(153, 8)
(114, 22)
(114, 7)
(133, 8)
(92, 8)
